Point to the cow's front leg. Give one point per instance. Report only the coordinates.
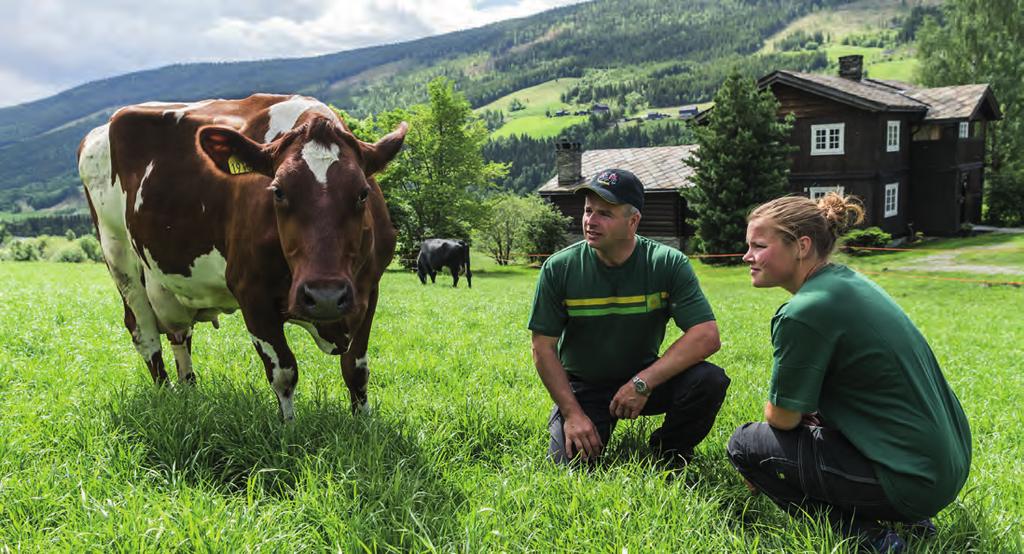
(181, 344)
(355, 367)
(267, 332)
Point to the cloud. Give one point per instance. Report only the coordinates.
(51, 45)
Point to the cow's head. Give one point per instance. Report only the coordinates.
(320, 190)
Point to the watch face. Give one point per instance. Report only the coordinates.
(639, 385)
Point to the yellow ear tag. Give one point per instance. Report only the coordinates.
(237, 166)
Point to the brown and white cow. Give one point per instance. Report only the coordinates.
(265, 204)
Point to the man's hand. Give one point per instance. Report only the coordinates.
(581, 437)
(627, 403)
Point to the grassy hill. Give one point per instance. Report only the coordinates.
(534, 119)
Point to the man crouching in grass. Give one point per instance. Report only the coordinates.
(598, 320)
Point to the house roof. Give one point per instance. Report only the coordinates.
(863, 94)
(957, 102)
(937, 104)
(657, 167)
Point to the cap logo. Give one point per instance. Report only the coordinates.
(608, 178)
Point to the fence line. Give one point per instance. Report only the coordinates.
(886, 273)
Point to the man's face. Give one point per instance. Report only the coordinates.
(606, 224)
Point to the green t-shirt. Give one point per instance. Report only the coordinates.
(844, 347)
(611, 320)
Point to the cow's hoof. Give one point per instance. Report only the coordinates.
(362, 409)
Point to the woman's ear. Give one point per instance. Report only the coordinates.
(803, 247)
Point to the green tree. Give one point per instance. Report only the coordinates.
(973, 45)
(502, 228)
(521, 225)
(436, 186)
(742, 161)
(545, 229)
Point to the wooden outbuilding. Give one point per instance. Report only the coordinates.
(659, 168)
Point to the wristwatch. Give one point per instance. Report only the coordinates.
(641, 386)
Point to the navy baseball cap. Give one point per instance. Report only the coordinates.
(617, 186)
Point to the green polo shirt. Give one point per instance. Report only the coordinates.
(611, 320)
(844, 347)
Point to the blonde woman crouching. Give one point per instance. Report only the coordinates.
(859, 423)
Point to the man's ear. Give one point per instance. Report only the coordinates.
(378, 155)
(234, 153)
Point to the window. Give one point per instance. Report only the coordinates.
(892, 199)
(965, 129)
(827, 139)
(892, 136)
(817, 192)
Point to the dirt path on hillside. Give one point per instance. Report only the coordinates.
(946, 262)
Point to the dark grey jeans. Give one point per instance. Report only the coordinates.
(813, 469)
(690, 402)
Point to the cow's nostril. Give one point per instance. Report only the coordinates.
(307, 298)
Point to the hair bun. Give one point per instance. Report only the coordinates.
(840, 212)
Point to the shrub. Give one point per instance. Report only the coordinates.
(91, 247)
(872, 237)
(70, 253)
(25, 250)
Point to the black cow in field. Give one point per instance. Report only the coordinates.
(440, 253)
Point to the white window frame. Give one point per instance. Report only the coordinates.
(892, 136)
(894, 209)
(965, 129)
(815, 193)
(827, 129)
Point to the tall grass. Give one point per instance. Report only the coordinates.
(93, 457)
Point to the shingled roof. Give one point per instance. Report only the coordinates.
(940, 103)
(657, 167)
(863, 94)
(957, 102)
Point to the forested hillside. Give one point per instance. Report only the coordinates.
(672, 51)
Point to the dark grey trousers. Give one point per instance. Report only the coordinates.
(690, 402)
(812, 469)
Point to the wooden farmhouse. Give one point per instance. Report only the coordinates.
(660, 169)
(915, 156)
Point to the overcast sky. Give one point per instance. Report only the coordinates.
(47, 46)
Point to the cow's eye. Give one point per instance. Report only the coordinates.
(278, 192)
(363, 195)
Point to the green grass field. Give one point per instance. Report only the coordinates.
(532, 121)
(94, 458)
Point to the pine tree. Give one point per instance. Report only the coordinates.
(742, 161)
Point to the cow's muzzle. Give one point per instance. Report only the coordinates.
(324, 301)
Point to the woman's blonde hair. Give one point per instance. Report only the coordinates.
(823, 221)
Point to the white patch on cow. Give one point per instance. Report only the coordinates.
(138, 193)
(267, 350)
(205, 287)
(362, 363)
(324, 345)
(281, 378)
(182, 360)
(109, 202)
(318, 158)
(364, 409)
(181, 111)
(283, 385)
(283, 115)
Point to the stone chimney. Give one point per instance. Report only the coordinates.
(568, 162)
(851, 67)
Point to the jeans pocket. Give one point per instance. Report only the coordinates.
(781, 469)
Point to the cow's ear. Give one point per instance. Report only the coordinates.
(233, 152)
(378, 155)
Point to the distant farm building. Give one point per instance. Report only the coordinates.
(689, 112)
